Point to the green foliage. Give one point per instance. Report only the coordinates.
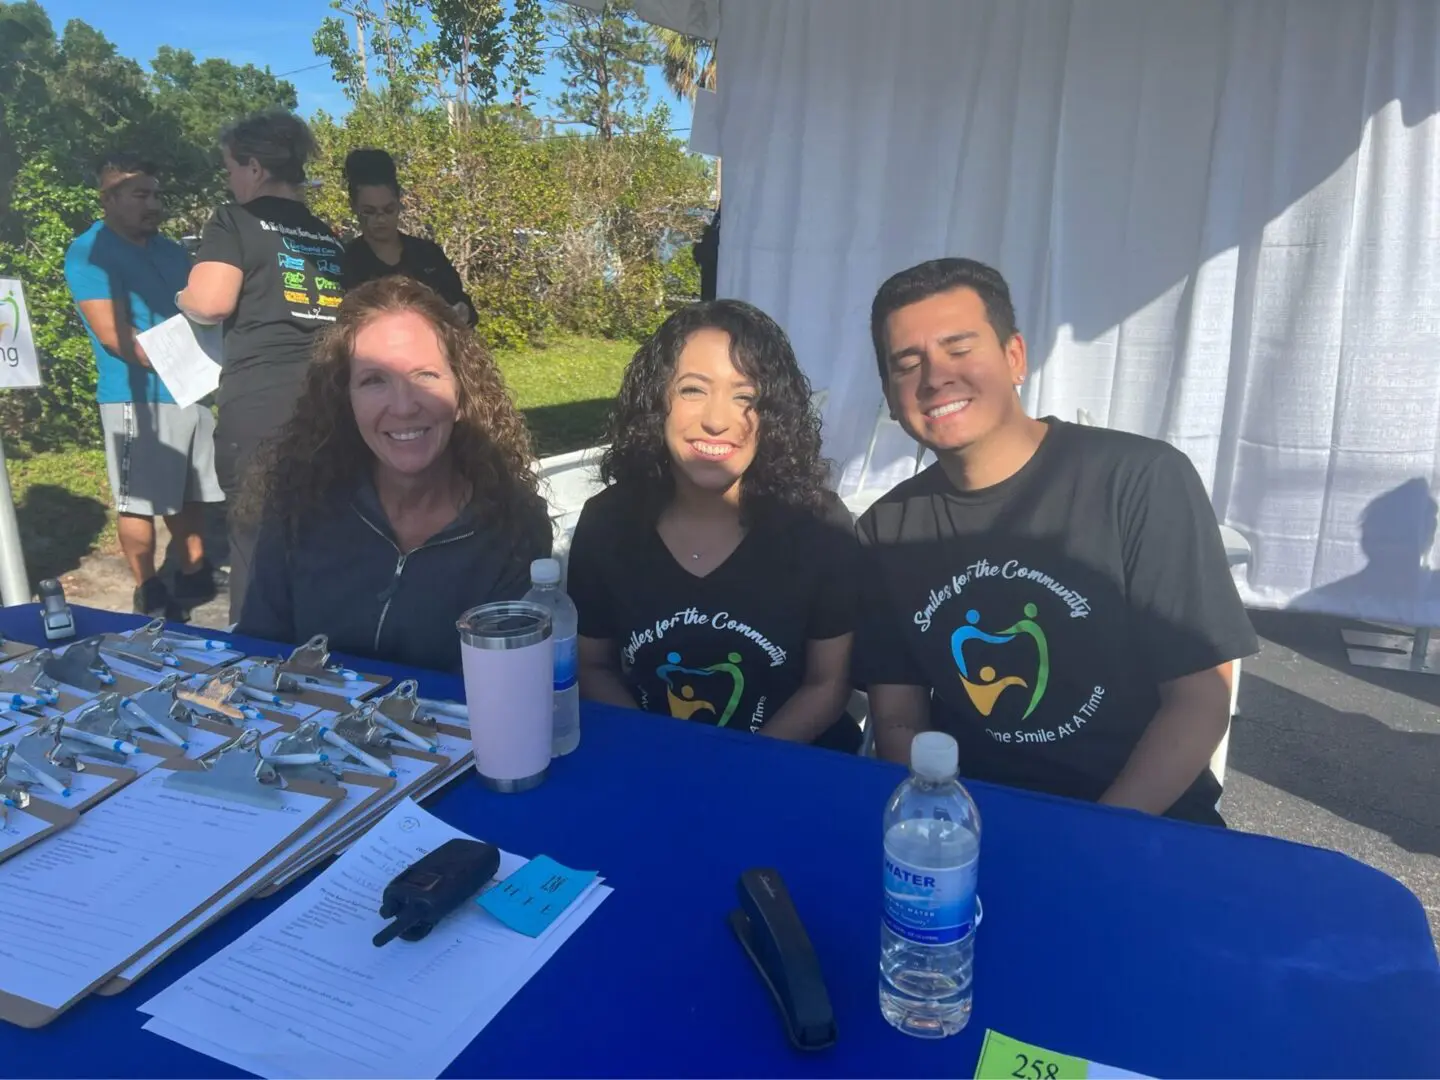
(65, 102)
(547, 232)
(688, 63)
(50, 213)
(605, 54)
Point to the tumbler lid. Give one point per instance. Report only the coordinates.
(504, 624)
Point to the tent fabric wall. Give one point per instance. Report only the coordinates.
(1219, 221)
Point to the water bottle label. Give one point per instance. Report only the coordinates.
(566, 664)
(927, 906)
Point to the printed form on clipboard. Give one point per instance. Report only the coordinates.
(371, 1012)
(80, 906)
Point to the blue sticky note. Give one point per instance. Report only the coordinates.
(537, 894)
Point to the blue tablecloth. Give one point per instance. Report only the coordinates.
(1165, 948)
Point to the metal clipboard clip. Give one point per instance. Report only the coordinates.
(361, 740)
(300, 755)
(233, 774)
(220, 695)
(266, 680)
(14, 792)
(311, 662)
(146, 646)
(26, 678)
(399, 713)
(159, 710)
(81, 666)
(94, 739)
(101, 730)
(31, 762)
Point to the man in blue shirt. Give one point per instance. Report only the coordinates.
(124, 276)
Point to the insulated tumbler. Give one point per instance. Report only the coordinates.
(508, 656)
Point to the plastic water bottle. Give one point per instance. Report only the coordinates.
(932, 861)
(545, 590)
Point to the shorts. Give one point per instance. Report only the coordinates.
(160, 456)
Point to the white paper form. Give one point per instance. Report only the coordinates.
(16, 826)
(408, 784)
(187, 357)
(354, 794)
(306, 994)
(79, 906)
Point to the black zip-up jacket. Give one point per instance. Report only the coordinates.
(343, 575)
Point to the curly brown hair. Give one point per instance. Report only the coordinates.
(319, 453)
(788, 470)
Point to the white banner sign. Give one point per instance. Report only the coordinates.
(19, 366)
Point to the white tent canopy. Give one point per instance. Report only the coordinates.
(1220, 221)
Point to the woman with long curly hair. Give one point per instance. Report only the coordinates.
(713, 576)
(401, 492)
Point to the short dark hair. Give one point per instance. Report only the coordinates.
(366, 167)
(789, 469)
(277, 139)
(930, 279)
(118, 166)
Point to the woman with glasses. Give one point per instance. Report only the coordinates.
(381, 249)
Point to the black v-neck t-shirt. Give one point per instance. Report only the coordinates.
(1046, 611)
(727, 649)
(420, 260)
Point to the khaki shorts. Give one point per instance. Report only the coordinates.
(160, 457)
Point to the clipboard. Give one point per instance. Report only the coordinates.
(52, 818)
(315, 695)
(130, 648)
(380, 786)
(28, 1013)
(346, 831)
(11, 649)
(118, 777)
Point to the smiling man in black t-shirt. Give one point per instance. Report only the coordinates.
(1056, 597)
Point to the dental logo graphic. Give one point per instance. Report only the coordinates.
(691, 690)
(9, 319)
(985, 686)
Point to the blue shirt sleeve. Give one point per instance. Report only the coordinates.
(87, 281)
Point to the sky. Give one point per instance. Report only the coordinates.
(273, 33)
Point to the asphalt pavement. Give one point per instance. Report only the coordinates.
(1339, 756)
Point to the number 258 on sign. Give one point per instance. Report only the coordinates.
(1004, 1058)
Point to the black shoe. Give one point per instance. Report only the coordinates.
(152, 599)
(199, 587)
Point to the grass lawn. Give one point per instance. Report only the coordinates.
(63, 498)
(566, 388)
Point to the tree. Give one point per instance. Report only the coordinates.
(605, 54)
(687, 62)
(384, 39)
(471, 39)
(527, 32)
(199, 99)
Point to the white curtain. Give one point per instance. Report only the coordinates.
(1219, 221)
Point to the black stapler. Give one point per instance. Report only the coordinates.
(773, 936)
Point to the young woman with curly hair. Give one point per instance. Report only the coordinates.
(402, 491)
(713, 576)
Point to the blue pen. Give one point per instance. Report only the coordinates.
(261, 696)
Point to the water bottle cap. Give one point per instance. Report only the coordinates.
(545, 572)
(934, 756)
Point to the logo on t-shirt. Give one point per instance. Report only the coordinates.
(984, 685)
(691, 691)
(1002, 653)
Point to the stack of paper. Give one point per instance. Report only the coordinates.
(306, 994)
